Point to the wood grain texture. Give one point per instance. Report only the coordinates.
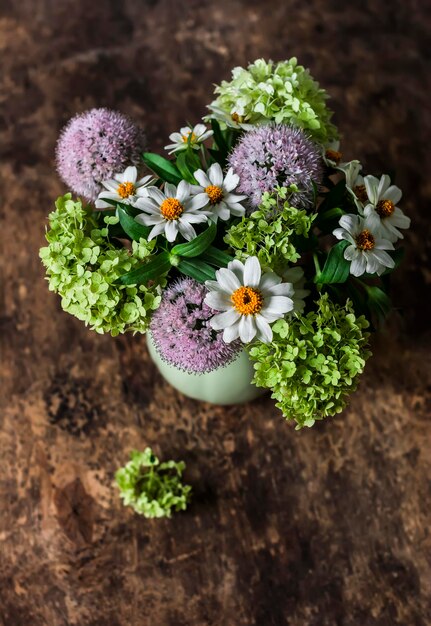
(328, 526)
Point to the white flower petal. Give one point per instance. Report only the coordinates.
(393, 193)
(130, 174)
(202, 178)
(156, 195)
(171, 230)
(268, 280)
(186, 229)
(252, 272)
(194, 203)
(231, 180)
(183, 191)
(231, 333)
(227, 280)
(247, 328)
(170, 190)
(277, 305)
(350, 222)
(237, 268)
(218, 300)
(223, 320)
(215, 174)
(157, 230)
(264, 331)
(283, 289)
(358, 265)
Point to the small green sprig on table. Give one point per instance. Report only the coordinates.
(152, 488)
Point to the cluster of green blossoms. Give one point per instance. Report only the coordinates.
(284, 92)
(83, 266)
(313, 363)
(151, 488)
(269, 232)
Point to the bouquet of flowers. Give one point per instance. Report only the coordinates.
(252, 234)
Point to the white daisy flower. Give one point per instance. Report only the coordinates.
(216, 191)
(249, 301)
(172, 211)
(367, 249)
(295, 275)
(181, 140)
(381, 210)
(124, 188)
(355, 184)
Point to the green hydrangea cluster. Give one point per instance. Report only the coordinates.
(268, 233)
(151, 488)
(82, 265)
(313, 363)
(284, 92)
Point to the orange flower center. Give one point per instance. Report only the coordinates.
(385, 208)
(365, 240)
(214, 193)
(125, 190)
(171, 209)
(334, 155)
(247, 300)
(187, 135)
(361, 193)
(236, 118)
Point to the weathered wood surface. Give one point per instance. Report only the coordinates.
(328, 526)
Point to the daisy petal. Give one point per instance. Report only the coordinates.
(264, 331)
(227, 280)
(218, 300)
(223, 320)
(247, 328)
(231, 333)
(171, 230)
(252, 272)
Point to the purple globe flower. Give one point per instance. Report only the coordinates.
(277, 155)
(182, 334)
(94, 146)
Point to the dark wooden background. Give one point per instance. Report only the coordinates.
(328, 526)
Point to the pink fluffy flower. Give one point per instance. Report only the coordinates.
(182, 333)
(277, 155)
(94, 146)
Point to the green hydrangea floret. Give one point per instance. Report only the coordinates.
(283, 92)
(151, 488)
(313, 362)
(83, 265)
(269, 233)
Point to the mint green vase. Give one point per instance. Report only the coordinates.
(226, 385)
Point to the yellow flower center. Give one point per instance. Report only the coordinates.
(365, 240)
(361, 193)
(385, 208)
(187, 135)
(247, 300)
(236, 118)
(125, 190)
(333, 155)
(171, 209)
(214, 193)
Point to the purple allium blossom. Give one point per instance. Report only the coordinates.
(277, 155)
(94, 146)
(182, 334)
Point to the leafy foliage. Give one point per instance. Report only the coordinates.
(151, 488)
(282, 92)
(268, 233)
(313, 362)
(83, 266)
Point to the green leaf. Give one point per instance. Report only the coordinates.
(198, 245)
(336, 268)
(149, 271)
(188, 163)
(167, 170)
(131, 227)
(218, 136)
(216, 257)
(197, 269)
(328, 220)
(379, 302)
